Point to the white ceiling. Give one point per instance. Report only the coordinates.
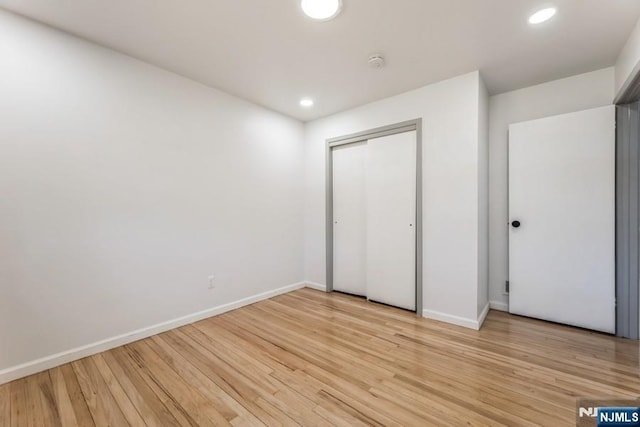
(268, 52)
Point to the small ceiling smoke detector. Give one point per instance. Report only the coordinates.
(321, 10)
(376, 61)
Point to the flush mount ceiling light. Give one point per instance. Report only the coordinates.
(542, 15)
(321, 10)
(306, 102)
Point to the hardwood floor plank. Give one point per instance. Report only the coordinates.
(273, 357)
(135, 367)
(255, 372)
(149, 406)
(5, 405)
(124, 403)
(48, 406)
(311, 358)
(19, 403)
(102, 405)
(62, 398)
(33, 411)
(186, 396)
(232, 411)
(236, 386)
(77, 398)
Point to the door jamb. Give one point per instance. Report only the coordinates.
(627, 220)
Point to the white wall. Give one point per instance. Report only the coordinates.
(123, 187)
(628, 63)
(571, 94)
(483, 198)
(449, 110)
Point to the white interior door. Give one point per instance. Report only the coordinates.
(562, 192)
(349, 228)
(391, 220)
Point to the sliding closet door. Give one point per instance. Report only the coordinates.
(391, 220)
(349, 228)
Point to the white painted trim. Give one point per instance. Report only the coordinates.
(316, 286)
(48, 362)
(449, 318)
(483, 315)
(498, 305)
(457, 320)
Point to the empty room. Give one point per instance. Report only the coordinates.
(319, 212)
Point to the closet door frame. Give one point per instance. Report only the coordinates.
(408, 126)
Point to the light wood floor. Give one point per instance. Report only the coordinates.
(309, 358)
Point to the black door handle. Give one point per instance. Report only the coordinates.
(516, 224)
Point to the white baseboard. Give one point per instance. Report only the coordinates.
(316, 286)
(48, 362)
(498, 305)
(483, 315)
(457, 320)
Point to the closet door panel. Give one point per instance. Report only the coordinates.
(349, 228)
(390, 216)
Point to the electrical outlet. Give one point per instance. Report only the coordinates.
(211, 282)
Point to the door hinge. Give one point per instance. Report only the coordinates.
(506, 287)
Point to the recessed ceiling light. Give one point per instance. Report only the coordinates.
(306, 102)
(542, 15)
(321, 10)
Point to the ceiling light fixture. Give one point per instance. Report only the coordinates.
(306, 102)
(542, 15)
(321, 10)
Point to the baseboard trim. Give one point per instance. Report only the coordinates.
(48, 362)
(316, 286)
(498, 305)
(483, 315)
(449, 318)
(457, 320)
